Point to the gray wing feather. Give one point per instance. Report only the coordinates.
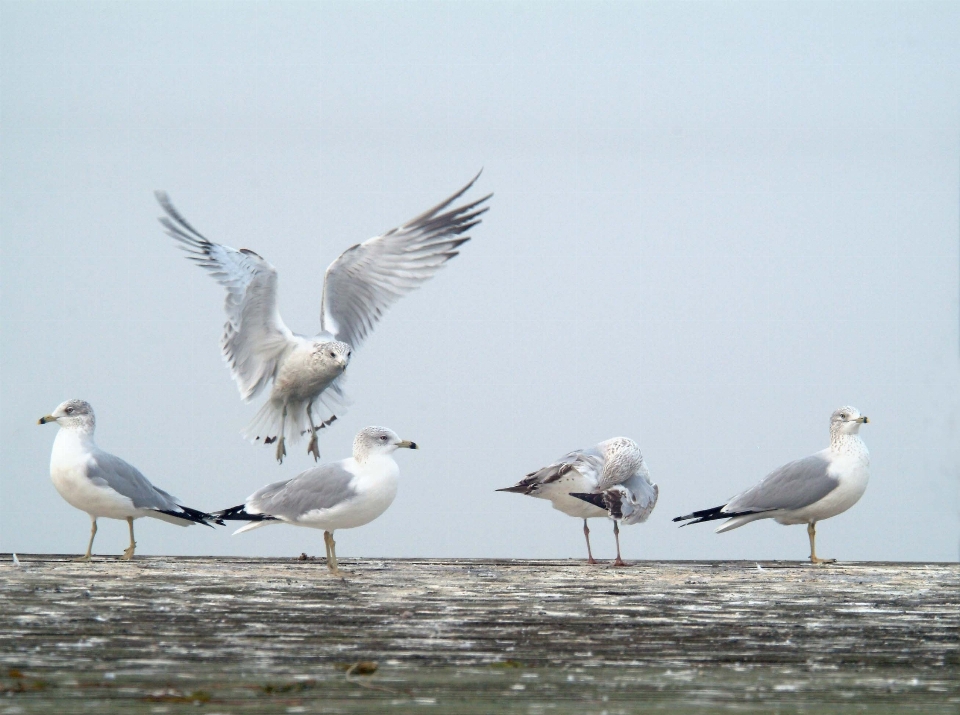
(792, 486)
(371, 276)
(321, 487)
(254, 336)
(108, 470)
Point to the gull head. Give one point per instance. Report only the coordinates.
(334, 354)
(847, 420)
(72, 414)
(378, 440)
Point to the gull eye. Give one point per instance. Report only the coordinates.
(69, 410)
(383, 437)
(333, 354)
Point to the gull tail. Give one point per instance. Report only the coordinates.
(264, 428)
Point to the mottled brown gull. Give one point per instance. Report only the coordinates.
(610, 479)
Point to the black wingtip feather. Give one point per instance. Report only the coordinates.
(698, 517)
(240, 513)
(516, 489)
(194, 515)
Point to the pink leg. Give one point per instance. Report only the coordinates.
(586, 534)
(616, 535)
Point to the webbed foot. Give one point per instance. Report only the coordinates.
(281, 449)
(314, 447)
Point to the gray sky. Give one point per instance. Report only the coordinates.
(713, 224)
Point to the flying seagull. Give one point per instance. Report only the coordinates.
(358, 288)
(103, 485)
(610, 479)
(805, 491)
(339, 495)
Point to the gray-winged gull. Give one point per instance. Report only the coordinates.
(358, 287)
(805, 491)
(339, 495)
(102, 484)
(610, 479)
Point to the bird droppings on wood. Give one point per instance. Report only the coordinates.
(240, 635)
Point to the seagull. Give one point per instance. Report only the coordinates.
(805, 491)
(103, 485)
(610, 479)
(358, 287)
(339, 495)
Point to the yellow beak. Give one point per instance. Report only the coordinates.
(408, 444)
(46, 418)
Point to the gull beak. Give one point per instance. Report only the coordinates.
(46, 418)
(863, 419)
(408, 444)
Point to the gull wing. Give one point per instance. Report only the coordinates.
(107, 470)
(371, 276)
(792, 486)
(589, 462)
(254, 336)
(322, 487)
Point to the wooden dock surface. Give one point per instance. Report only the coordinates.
(232, 635)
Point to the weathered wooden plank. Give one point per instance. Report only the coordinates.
(264, 635)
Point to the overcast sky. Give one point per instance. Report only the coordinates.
(713, 224)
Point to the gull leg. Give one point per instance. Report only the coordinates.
(332, 554)
(281, 449)
(812, 533)
(586, 535)
(128, 552)
(326, 542)
(312, 448)
(93, 532)
(616, 535)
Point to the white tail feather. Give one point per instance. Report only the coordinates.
(255, 525)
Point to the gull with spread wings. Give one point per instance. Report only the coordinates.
(358, 287)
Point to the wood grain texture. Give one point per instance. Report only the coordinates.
(266, 635)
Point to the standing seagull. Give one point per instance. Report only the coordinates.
(610, 479)
(103, 485)
(805, 491)
(340, 495)
(358, 287)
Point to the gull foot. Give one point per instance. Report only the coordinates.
(128, 553)
(86, 557)
(281, 450)
(592, 560)
(619, 562)
(314, 447)
(817, 560)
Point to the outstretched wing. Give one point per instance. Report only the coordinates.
(254, 336)
(368, 278)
